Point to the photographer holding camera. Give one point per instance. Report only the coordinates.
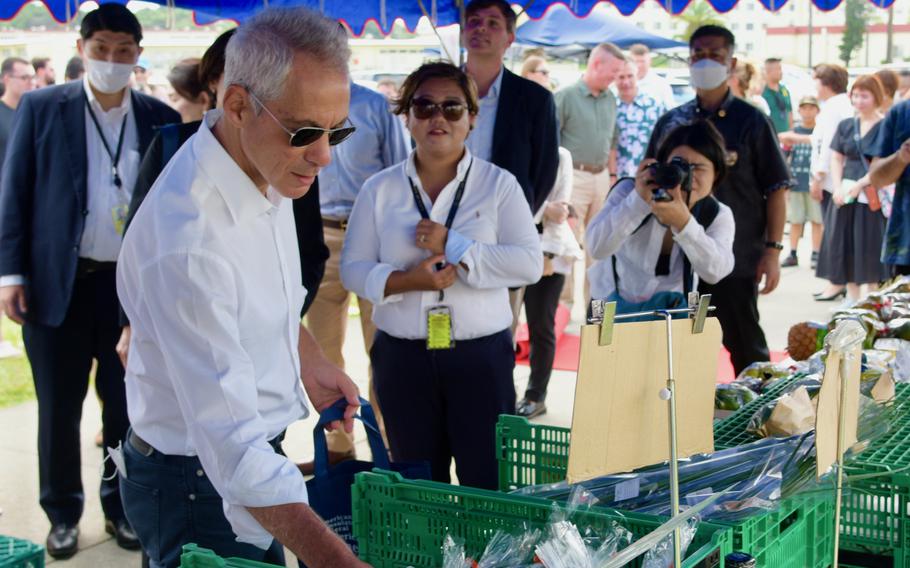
(660, 230)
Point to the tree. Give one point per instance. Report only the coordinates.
(699, 14)
(856, 16)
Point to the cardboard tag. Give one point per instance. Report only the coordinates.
(628, 489)
(439, 328)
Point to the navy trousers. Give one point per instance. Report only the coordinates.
(444, 404)
(169, 501)
(61, 360)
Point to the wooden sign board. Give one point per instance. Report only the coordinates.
(827, 421)
(620, 422)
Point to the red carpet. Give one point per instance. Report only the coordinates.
(567, 347)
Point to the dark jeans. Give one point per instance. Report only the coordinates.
(541, 302)
(444, 404)
(170, 502)
(736, 300)
(61, 360)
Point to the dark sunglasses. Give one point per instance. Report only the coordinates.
(451, 110)
(308, 134)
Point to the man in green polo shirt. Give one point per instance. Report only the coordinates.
(777, 96)
(587, 128)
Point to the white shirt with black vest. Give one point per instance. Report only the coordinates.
(492, 234)
(209, 276)
(617, 230)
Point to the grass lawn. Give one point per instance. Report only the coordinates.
(15, 374)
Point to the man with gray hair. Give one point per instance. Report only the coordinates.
(209, 277)
(587, 128)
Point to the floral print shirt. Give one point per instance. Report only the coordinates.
(635, 121)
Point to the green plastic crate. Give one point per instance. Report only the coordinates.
(18, 553)
(400, 522)
(798, 534)
(197, 557)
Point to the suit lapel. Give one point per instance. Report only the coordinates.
(145, 121)
(72, 114)
(504, 109)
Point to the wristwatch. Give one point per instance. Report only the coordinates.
(773, 245)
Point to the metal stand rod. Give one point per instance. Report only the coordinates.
(674, 457)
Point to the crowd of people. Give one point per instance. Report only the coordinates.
(204, 253)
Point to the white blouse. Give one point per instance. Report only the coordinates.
(615, 231)
(493, 234)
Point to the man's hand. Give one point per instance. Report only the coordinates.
(769, 268)
(431, 236)
(324, 382)
(123, 345)
(903, 154)
(12, 301)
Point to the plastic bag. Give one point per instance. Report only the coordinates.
(732, 396)
(453, 555)
(662, 555)
(507, 551)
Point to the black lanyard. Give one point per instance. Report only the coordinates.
(115, 158)
(456, 201)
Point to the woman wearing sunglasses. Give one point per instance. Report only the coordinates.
(435, 242)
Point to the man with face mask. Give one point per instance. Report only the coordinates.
(752, 189)
(63, 202)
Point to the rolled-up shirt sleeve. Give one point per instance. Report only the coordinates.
(361, 270)
(516, 258)
(710, 251)
(195, 299)
(622, 213)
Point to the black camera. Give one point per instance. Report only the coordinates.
(669, 175)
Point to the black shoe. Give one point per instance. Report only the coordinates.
(790, 261)
(530, 408)
(124, 533)
(62, 541)
(832, 297)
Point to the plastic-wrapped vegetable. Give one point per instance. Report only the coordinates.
(662, 555)
(732, 396)
(453, 555)
(791, 413)
(870, 320)
(766, 372)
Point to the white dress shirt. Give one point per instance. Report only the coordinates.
(100, 239)
(833, 111)
(493, 234)
(613, 232)
(658, 87)
(209, 277)
(480, 141)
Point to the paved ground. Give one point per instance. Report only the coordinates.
(22, 517)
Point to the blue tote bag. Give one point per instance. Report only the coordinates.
(330, 488)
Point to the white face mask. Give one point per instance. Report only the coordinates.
(707, 74)
(108, 77)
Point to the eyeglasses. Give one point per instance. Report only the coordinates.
(451, 110)
(544, 72)
(309, 134)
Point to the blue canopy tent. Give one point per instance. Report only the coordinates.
(356, 13)
(561, 27)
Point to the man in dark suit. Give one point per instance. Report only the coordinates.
(516, 128)
(64, 196)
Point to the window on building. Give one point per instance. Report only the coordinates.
(750, 46)
(750, 26)
(734, 26)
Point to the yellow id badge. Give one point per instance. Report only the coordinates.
(118, 214)
(439, 328)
